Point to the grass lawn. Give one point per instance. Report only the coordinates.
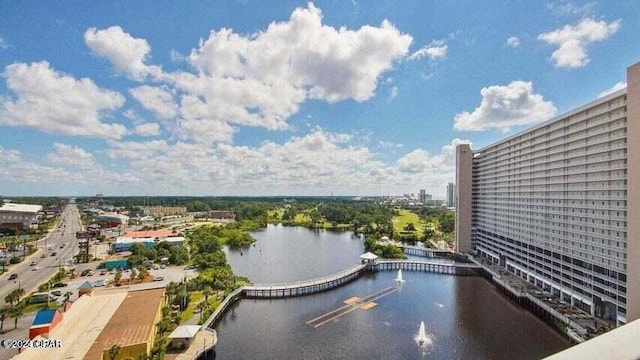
(196, 298)
(405, 217)
(275, 214)
(302, 217)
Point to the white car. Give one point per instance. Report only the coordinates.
(35, 268)
(33, 263)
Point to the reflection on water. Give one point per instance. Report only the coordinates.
(464, 317)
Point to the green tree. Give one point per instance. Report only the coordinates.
(117, 276)
(143, 273)
(16, 313)
(4, 312)
(134, 273)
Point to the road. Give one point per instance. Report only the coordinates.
(28, 278)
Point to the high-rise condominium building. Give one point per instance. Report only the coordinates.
(451, 191)
(559, 204)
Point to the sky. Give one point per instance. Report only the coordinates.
(257, 98)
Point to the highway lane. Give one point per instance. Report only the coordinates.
(28, 278)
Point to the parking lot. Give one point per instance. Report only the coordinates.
(171, 273)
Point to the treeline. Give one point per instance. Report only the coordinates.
(206, 254)
(445, 218)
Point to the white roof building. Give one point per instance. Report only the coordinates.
(20, 215)
(21, 208)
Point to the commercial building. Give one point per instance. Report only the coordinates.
(19, 216)
(222, 215)
(112, 220)
(45, 322)
(451, 194)
(148, 238)
(165, 210)
(559, 204)
(77, 331)
(132, 326)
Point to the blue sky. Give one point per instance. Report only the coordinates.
(289, 97)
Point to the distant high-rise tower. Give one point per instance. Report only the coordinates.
(451, 193)
(423, 196)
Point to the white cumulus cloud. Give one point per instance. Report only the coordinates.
(156, 99)
(126, 53)
(572, 40)
(617, 86)
(503, 107)
(147, 129)
(434, 50)
(72, 156)
(513, 41)
(56, 103)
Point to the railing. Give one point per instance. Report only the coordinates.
(213, 318)
(312, 282)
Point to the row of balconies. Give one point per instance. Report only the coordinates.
(547, 136)
(544, 165)
(610, 232)
(493, 153)
(566, 150)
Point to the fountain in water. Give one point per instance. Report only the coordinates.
(422, 334)
(423, 340)
(399, 278)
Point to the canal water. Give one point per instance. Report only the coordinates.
(465, 317)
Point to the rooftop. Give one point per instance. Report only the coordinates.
(44, 316)
(76, 323)
(162, 233)
(620, 343)
(23, 208)
(132, 323)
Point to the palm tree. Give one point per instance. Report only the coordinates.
(4, 311)
(134, 273)
(143, 273)
(12, 297)
(117, 277)
(17, 312)
(114, 351)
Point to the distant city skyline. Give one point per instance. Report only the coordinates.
(287, 99)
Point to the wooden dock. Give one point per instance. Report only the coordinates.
(352, 304)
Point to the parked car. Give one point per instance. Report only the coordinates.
(56, 293)
(43, 256)
(85, 272)
(54, 253)
(103, 272)
(13, 276)
(158, 278)
(35, 268)
(33, 263)
(59, 285)
(91, 273)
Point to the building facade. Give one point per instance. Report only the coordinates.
(165, 210)
(20, 216)
(451, 191)
(556, 204)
